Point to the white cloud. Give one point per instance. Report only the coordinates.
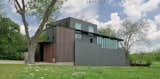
(132, 8)
(114, 22)
(80, 9)
(32, 30)
(152, 36)
(150, 5)
(157, 19)
(136, 9)
(22, 29)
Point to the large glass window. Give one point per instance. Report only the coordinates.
(111, 44)
(116, 44)
(78, 26)
(107, 43)
(90, 29)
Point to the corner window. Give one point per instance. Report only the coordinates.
(78, 36)
(90, 29)
(78, 26)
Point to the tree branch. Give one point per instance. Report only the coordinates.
(25, 23)
(46, 15)
(21, 11)
(18, 5)
(23, 6)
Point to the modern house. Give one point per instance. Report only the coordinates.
(77, 41)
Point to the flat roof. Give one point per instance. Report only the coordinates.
(69, 18)
(104, 36)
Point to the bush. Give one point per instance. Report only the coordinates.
(145, 58)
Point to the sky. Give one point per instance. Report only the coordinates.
(106, 12)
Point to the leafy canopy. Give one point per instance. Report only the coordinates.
(12, 43)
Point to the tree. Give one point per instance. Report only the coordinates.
(1, 8)
(131, 33)
(107, 32)
(12, 42)
(41, 8)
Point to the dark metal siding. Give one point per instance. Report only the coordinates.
(70, 22)
(91, 54)
(64, 44)
(85, 25)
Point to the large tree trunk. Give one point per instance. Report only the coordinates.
(31, 52)
(32, 42)
(127, 57)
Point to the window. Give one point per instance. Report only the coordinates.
(90, 29)
(48, 38)
(78, 36)
(107, 43)
(99, 41)
(78, 26)
(91, 40)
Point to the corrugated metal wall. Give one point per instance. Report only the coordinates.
(64, 44)
(91, 54)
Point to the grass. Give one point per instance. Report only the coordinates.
(78, 72)
(9, 71)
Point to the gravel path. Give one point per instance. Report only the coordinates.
(37, 63)
(11, 62)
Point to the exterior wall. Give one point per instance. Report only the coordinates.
(64, 44)
(49, 53)
(91, 54)
(50, 35)
(83, 23)
(86, 38)
(70, 22)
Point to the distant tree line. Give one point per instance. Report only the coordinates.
(12, 42)
(145, 57)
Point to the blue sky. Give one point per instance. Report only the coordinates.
(107, 12)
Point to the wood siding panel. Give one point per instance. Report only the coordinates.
(49, 51)
(64, 44)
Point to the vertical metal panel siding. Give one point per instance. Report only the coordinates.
(64, 44)
(49, 50)
(91, 54)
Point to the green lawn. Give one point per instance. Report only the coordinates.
(78, 72)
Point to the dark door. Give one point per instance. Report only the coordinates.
(41, 53)
(48, 54)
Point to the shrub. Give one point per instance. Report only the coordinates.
(145, 58)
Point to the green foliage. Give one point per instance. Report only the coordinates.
(2, 8)
(42, 36)
(145, 57)
(12, 43)
(107, 32)
(38, 7)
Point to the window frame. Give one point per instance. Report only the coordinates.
(91, 29)
(78, 26)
